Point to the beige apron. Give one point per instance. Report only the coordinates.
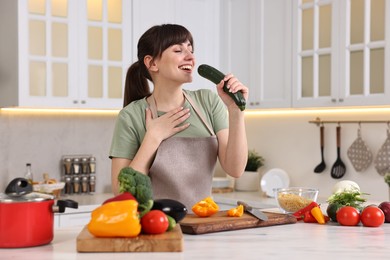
(183, 167)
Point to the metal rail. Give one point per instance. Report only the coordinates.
(319, 122)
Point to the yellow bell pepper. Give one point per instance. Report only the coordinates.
(205, 207)
(236, 212)
(317, 214)
(115, 219)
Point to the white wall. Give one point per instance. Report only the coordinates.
(285, 140)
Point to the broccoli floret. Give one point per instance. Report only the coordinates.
(139, 185)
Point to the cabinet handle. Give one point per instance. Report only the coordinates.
(75, 102)
(83, 102)
(333, 100)
(341, 100)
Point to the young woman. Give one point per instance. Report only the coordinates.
(174, 135)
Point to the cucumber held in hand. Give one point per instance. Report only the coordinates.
(216, 76)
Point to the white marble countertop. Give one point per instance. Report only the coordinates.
(293, 241)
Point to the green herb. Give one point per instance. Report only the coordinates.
(254, 162)
(348, 198)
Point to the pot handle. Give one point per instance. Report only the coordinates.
(62, 204)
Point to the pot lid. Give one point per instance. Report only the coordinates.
(30, 197)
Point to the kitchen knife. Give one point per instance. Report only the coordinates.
(254, 212)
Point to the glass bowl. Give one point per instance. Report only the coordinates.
(293, 199)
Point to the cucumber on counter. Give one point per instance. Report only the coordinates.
(216, 76)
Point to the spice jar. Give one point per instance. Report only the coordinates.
(68, 165)
(92, 183)
(84, 184)
(68, 185)
(84, 165)
(76, 165)
(92, 164)
(76, 184)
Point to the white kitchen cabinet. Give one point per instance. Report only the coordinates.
(200, 17)
(67, 53)
(340, 53)
(72, 220)
(256, 47)
(77, 217)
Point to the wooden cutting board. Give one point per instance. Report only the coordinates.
(170, 241)
(195, 225)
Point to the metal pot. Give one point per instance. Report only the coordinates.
(27, 218)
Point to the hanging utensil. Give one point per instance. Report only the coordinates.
(359, 154)
(382, 160)
(321, 167)
(338, 168)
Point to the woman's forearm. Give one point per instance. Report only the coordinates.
(141, 161)
(236, 152)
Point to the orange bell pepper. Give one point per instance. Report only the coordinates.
(115, 219)
(205, 207)
(236, 212)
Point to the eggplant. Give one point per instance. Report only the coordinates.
(172, 208)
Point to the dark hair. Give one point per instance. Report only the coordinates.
(153, 42)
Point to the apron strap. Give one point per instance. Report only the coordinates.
(153, 107)
(200, 114)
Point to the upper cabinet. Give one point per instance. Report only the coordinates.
(340, 53)
(256, 47)
(75, 53)
(64, 53)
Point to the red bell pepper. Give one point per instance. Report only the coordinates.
(300, 214)
(309, 218)
(123, 196)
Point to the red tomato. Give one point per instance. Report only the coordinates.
(154, 222)
(348, 216)
(372, 216)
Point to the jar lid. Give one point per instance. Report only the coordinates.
(30, 197)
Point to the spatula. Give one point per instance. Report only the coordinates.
(338, 168)
(321, 167)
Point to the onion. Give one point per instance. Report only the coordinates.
(385, 207)
(346, 185)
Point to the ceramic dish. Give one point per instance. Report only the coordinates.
(274, 179)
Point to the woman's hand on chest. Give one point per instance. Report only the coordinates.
(168, 124)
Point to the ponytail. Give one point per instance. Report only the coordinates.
(136, 84)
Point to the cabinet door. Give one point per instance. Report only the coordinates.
(256, 48)
(339, 56)
(315, 64)
(46, 56)
(104, 51)
(73, 53)
(365, 55)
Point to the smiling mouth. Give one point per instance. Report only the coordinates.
(186, 67)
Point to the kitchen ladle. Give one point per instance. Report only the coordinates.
(321, 167)
(18, 187)
(338, 168)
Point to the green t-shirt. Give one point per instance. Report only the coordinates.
(130, 125)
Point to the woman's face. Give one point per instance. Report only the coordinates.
(177, 63)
